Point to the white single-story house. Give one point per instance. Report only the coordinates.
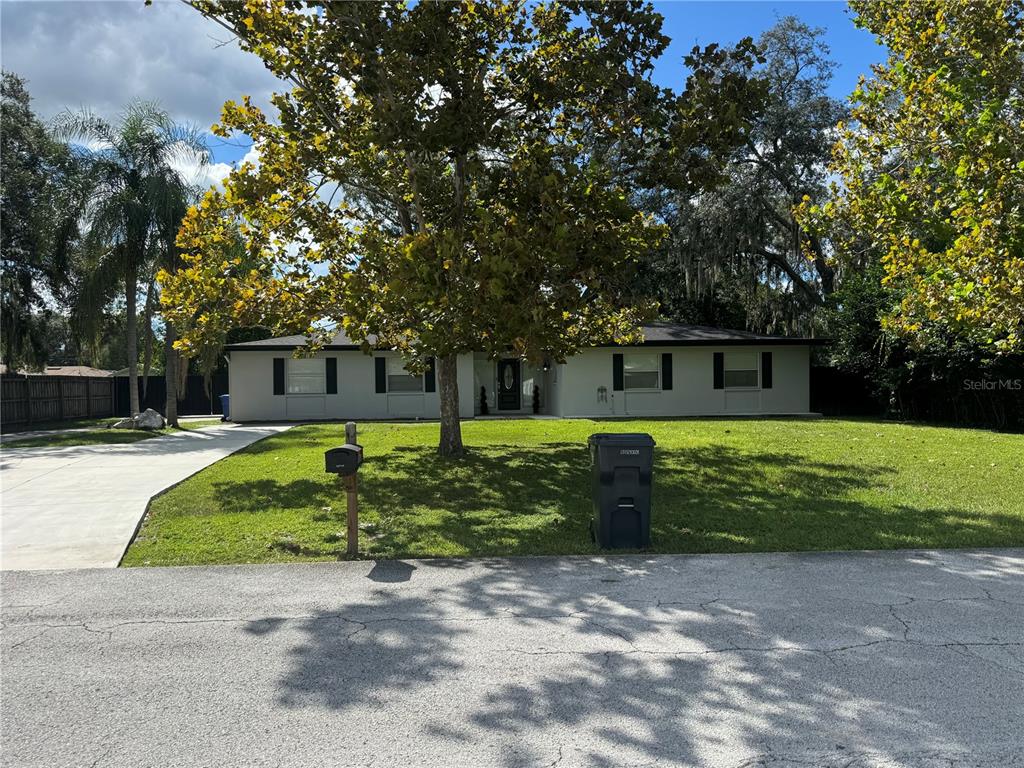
(679, 370)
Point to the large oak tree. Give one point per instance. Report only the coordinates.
(735, 255)
(430, 183)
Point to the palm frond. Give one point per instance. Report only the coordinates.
(134, 203)
(83, 125)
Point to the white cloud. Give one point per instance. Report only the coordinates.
(103, 54)
(211, 174)
(252, 156)
(204, 176)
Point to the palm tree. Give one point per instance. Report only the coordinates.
(175, 202)
(131, 164)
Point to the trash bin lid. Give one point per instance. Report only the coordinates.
(621, 438)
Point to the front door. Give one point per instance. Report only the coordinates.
(509, 385)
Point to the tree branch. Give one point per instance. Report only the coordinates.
(780, 261)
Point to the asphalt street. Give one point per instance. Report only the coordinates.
(854, 660)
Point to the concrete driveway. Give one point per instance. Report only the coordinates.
(78, 507)
(854, 660)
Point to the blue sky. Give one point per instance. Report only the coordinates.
(104, 53)
(693, 23)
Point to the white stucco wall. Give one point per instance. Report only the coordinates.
(554, 394)
(251, 385)
(692, 393)
(572, 389)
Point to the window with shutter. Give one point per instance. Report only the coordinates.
(642, 371)
(740, 370)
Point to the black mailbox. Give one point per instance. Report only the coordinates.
(344, 460)
(621, 465)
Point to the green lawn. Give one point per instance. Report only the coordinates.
(524, 489)
(101, 435)
(199, 423)
(42, 426)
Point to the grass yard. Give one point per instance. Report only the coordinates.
(83, 423)
(99, 436)
(189, 424)
(524, 489)
(93, 432)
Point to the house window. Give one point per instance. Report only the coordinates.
(740, 370)
(306, 376)
(400, 380)
(642, 371)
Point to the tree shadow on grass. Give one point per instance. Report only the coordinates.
(65, 439)
(499, 499)
(506, 499)
(253, 496)
(514, 500)
(324, 436)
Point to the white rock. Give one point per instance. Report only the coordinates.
(123, 424)
(149, 419)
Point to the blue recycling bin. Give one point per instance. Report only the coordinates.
(225, 407)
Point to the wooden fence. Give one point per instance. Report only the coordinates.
(30, 400)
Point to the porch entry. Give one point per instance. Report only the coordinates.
(510, 385)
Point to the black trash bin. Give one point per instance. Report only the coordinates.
(621, 468)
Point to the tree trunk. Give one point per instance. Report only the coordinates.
(131, 337)
(448, 391)
(171, 374)
(825, 270)
(147, 337)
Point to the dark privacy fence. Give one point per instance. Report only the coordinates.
(993, 398)
(193, 403)
(30, 400)
(837, 393)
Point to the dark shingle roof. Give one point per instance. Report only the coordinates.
(680, 334)
(658, 333)
(282, 343)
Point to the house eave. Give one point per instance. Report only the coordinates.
(662, 343)
(288, 348)
(780, 342)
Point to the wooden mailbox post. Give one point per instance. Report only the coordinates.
(345, 461)
(352, 496)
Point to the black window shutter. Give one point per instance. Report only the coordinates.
(617, 375)
(332, 375)
(666, 370)
(278, 375)
(381, 371)
(719, 370)
(430, 377)
(766, 370)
